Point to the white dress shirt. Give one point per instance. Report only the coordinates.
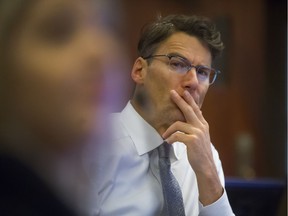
(128, 178)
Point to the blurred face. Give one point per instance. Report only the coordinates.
(56, 73)
(155, 80)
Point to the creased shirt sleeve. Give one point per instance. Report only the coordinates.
(222, 206)
(219, 208)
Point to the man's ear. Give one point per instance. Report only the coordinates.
(139, 70)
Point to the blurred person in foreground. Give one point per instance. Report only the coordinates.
(55, 67)
(162, 161)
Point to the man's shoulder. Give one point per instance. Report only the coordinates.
(23, 192)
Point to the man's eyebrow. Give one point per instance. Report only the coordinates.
(181, 56)
(177, 54)
(185, 59)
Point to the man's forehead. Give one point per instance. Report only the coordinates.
(186, 45)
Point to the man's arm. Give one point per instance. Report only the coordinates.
(222, 206)
(194, 133)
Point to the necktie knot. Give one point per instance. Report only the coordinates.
(164, 150)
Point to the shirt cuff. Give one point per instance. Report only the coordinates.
(219, 208)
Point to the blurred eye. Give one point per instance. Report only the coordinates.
(58, 29)
(178, 65)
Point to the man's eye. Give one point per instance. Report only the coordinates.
(177, 65)
(204, 72)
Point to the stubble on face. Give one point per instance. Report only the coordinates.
(159, 110)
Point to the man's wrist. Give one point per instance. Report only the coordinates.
(210, 188)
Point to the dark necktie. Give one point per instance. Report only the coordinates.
(173, 201)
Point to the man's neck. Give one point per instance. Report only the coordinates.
(149, 117)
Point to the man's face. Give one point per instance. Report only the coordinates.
(159, 80)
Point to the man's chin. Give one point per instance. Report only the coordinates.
(175, 116)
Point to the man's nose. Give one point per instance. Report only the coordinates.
(190, 79)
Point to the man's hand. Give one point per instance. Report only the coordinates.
(194, 133)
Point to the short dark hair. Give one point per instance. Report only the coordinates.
(155, 33)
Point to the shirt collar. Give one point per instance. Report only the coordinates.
(144, 136)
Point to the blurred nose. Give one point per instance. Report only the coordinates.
(190, 80)
(94, 50)
(104, 62)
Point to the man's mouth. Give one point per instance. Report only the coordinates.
(195, 98)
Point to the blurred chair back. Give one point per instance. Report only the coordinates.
(255, 197)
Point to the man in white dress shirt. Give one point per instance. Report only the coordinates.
(172, 76)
